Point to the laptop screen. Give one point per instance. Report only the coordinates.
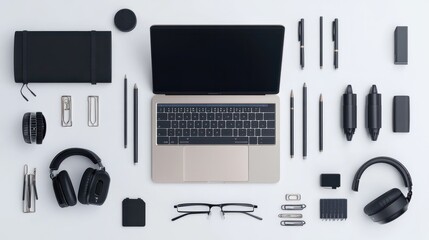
(216, 59)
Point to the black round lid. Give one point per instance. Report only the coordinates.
(125, 20)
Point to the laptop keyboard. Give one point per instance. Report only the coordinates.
(216, 124)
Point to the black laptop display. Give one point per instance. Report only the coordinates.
(216, 59)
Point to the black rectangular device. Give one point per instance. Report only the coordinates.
(216, 59)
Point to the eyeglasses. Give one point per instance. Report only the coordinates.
(205, 208)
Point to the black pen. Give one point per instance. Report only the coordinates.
(321, 123)
(321, 41)
(304, 121)
(335, 39)
(136, 119)
(125, 111)
(292, 119)
(301, 42)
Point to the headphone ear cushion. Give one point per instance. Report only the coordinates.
(67, 189)
(87, 177)
(59, 193)
(26, 127)
(382, 201)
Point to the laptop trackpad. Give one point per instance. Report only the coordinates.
(216, 164)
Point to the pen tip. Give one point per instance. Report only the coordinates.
(305, 85)
(125, 76)
(291, 93)
(321, 98)
(135, 86)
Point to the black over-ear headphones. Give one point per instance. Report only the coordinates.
(94, 185)
(392, 203)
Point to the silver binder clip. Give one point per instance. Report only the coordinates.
(66, 111)
(93, 111)
(29, 192)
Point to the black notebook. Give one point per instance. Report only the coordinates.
(60, 57)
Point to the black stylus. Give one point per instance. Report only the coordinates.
(125, 111)
(321, 123)
(304, 121)
(301, 42)
(335, 39)
(292, 119)
(136, 125)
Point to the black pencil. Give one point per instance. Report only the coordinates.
(136, 128)
(321, 41)
(125, 112)
(292, 119)
(304, 121)
(321, 123)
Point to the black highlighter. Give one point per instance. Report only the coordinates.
(349, 112)
(374, 113)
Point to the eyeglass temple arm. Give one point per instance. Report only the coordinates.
(247, 213)
(189, 213)
(259, 218)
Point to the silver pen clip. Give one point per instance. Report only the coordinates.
(29, 193)
(66, 111)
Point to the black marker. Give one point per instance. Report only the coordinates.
(301, 42)
(374, 113)
(349, 113)
(335, 39)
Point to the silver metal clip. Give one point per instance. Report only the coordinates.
(66, 111)
(293, 206)
(93, 111)
(290, 215)
(293, 197)
(292, 223)
(29, 192)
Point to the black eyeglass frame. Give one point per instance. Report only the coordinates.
(210, 206)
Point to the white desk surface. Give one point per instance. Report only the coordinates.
(366, 58)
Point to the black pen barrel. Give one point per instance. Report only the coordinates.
(136, 119)
(292, 126)
(304, 122)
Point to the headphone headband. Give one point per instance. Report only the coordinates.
(393, 162)
(60, 157)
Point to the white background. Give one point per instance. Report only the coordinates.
(366, 30)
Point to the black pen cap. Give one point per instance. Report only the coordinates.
(349, 112)
(374, 112)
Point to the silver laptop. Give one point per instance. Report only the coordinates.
(216, 115)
